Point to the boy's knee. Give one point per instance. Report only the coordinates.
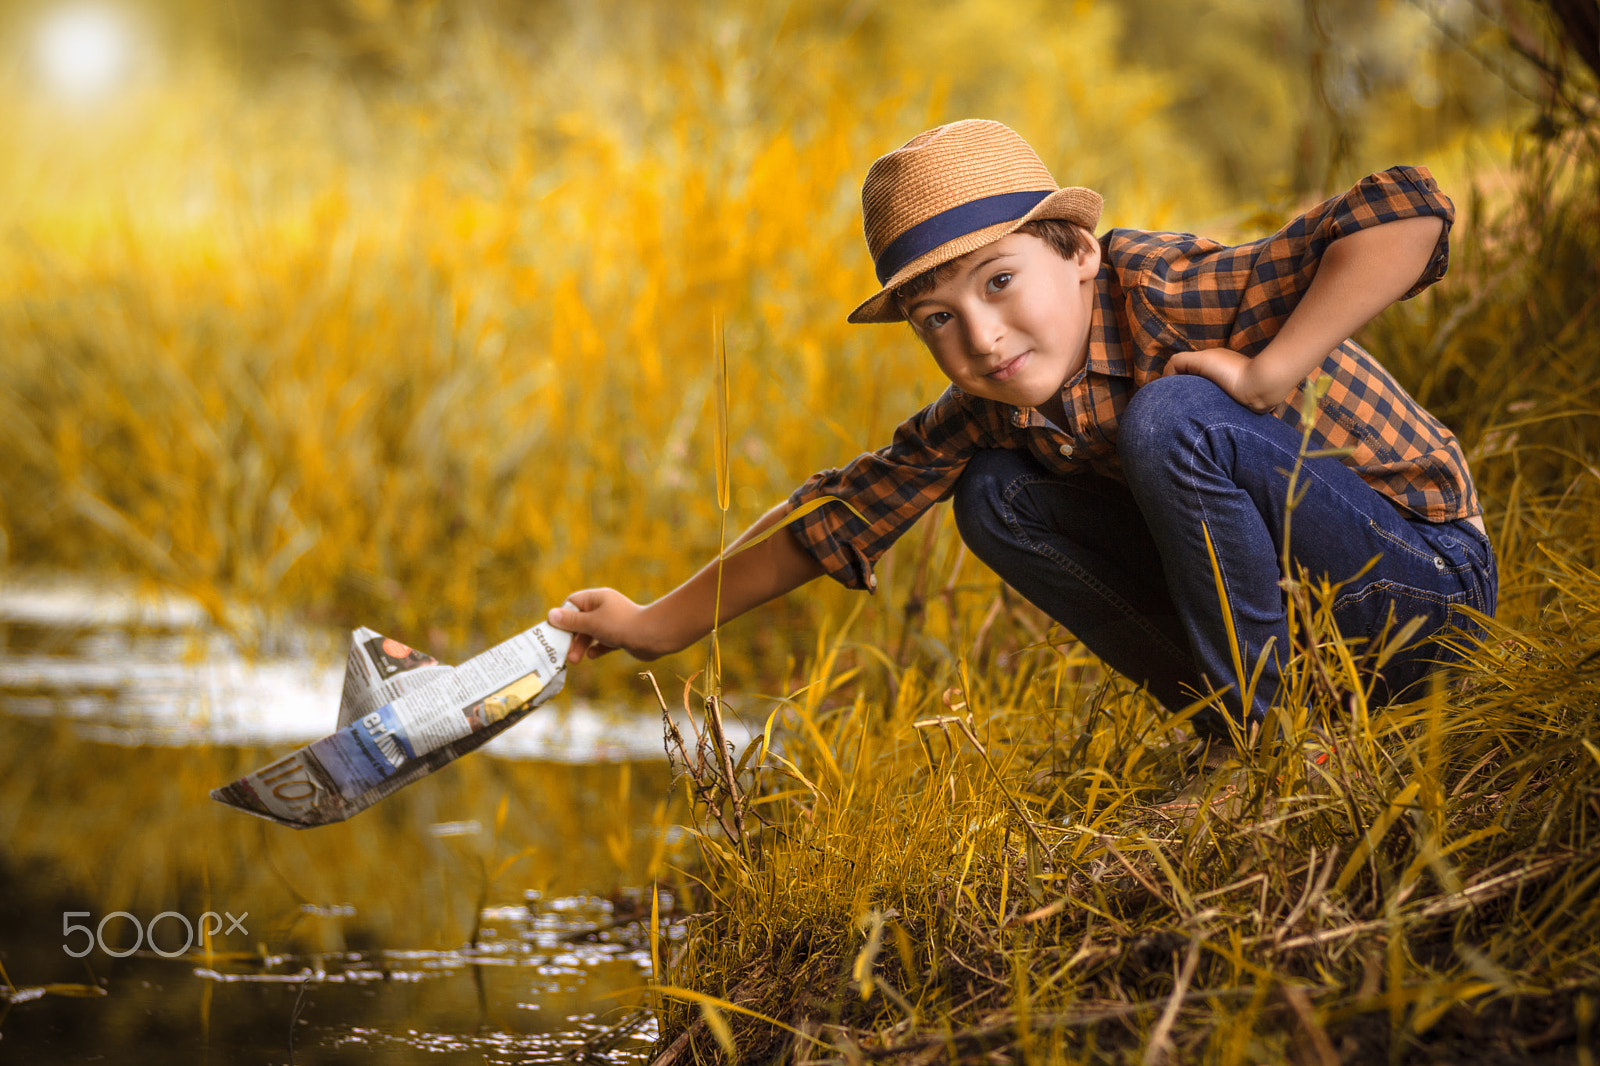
(980, 497)
(1168, 418)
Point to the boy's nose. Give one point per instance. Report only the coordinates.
(984, 331)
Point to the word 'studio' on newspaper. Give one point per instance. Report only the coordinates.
(402, 715)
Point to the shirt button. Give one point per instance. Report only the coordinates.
(1438, 563)
(1066, 449)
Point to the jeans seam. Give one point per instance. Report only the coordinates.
(1266, 443)
(1468, 529)
(1425, 557)
(1200, 498)
(1105, 592)
(1386, 585)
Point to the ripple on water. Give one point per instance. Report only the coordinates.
(505, 999)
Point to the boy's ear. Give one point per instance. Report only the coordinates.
(1088, 257)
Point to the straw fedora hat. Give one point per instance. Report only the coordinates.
(950, 191)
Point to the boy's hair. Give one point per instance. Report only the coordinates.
(1064, 238)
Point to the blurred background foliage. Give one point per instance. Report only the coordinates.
(397, 312)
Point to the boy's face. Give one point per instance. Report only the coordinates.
(1012, 322)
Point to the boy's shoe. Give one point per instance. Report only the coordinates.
(1209, 754)
(1219, 780)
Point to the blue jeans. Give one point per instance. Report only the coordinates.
(1125, 568)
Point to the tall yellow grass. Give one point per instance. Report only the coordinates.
(427, 351)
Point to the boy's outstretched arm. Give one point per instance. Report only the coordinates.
(604, 619)
(1359, 276)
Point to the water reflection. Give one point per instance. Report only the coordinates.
(484, 914)
(537, 991)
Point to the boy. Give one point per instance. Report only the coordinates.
(1117, 403)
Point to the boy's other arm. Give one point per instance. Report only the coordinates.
(604, 619)
(1359, 276)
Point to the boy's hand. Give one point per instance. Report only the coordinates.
(1358, 276)
(1247, 380)
(603, 620)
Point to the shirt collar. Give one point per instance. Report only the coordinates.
(1107, 354)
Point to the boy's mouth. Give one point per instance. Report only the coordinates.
(1007, 368)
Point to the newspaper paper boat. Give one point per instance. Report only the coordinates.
(402, 715)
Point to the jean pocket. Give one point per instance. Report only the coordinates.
(1385, 604)
(1380, 610)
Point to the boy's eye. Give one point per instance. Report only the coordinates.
(999, 281)
(935, 320)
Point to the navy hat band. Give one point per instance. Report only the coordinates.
(959, 221)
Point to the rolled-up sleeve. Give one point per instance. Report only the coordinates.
(1240, 295)
(1394, 194)
(889, 489)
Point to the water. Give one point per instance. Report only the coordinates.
(541, 986)
(489, 913)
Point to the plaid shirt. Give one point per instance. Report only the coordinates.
(1156, 294)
